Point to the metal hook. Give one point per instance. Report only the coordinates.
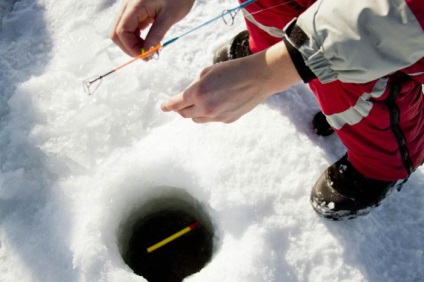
(88, 84)
(232, 13)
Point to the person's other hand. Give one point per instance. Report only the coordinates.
(137, 15)
(226, 91)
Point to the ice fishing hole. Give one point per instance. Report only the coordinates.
(169, 214)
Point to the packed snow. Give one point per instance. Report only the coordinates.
(74, 167)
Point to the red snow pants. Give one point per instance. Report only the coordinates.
(387, 143)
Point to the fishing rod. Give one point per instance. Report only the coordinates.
(91, 85)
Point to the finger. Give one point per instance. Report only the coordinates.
(144, 24)
(128, 29)
(202, 119)
(177, 103)
(158, 30)
(114, 34)
(192, 111)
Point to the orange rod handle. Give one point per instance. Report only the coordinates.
(141, 56)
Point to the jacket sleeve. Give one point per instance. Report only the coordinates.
(356, 41)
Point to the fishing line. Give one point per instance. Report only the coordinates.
(272, 7)
(92, 84)
(234, 12)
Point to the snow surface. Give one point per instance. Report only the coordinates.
(73, 167)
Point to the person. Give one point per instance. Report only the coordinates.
(363, 60)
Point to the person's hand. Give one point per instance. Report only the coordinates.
(226, 91)
(137, 15)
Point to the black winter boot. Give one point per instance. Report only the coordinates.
(321, 125)
(237, 47)
(343, 193)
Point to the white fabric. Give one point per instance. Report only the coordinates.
(361, 109)
(360, 41)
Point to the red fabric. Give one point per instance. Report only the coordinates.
(416, 71)
(282, 13)
(417, 8)
(372, 147)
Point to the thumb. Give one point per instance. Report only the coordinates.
(158, 30)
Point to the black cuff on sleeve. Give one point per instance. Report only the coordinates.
(297, 38)
(302, 69)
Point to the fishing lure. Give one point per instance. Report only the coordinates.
(173, 237)
(91, 85)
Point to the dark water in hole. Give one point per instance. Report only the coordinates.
(176, 260)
